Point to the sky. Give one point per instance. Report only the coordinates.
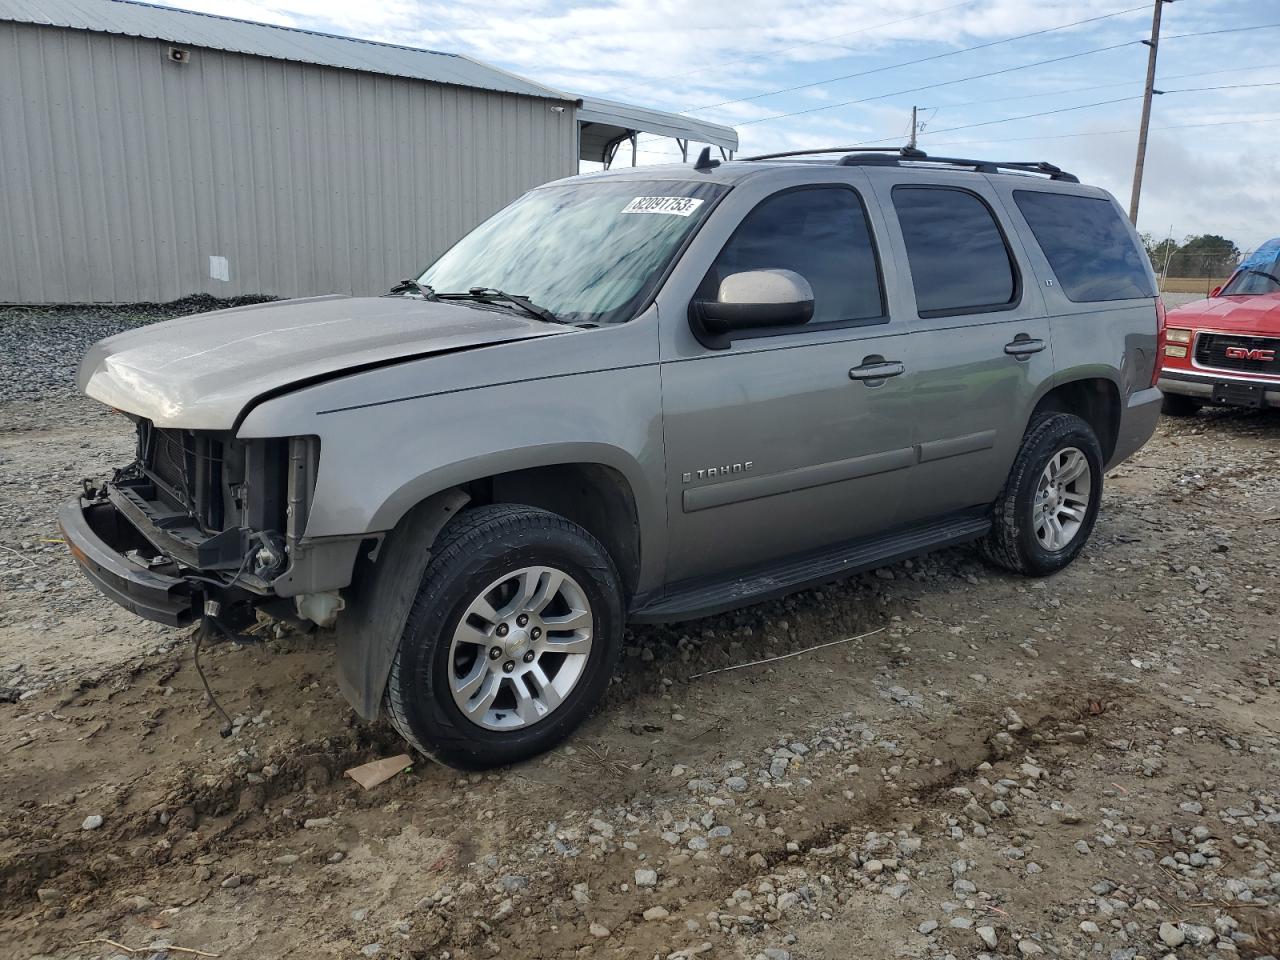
(784, 74)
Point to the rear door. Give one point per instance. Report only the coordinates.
(772, 447)
(980, 350)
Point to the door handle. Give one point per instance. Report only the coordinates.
(1022, 346)
(877, 370)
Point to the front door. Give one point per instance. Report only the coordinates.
(792, 438)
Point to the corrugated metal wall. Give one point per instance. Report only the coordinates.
(122, 174)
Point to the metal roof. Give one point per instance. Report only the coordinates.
(627, 117)
(132, 19)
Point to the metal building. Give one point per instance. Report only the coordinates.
(148, 153)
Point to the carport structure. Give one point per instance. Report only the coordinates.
(605, 125)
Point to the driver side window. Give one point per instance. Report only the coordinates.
(822, 234)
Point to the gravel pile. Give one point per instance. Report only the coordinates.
(40, 347)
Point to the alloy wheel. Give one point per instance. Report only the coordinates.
(520, 648)
(1062, 498)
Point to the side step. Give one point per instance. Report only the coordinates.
(703, 598)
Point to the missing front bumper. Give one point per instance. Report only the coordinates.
(104, 543)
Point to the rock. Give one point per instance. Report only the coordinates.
(48, 894)
(91, 822)
(1089, 928)
(599, 930)
(776, 953)
(987, 935)
(1171, 935)
(873, 867)
(927, 927)
(737, 784)
(974, 812)
(646, 878)
(319, 823)
(1029, 948)
(231, 882)
(371, 949)
(512, 882)
(656, 913)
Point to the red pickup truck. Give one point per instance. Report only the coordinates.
(1226, 350)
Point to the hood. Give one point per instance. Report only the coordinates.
(1257, 314)
(200, 372)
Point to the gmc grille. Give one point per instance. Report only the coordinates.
(1215, 349)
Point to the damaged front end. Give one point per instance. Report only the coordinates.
(205, 524)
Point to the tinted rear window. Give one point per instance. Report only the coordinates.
(1088, 245)
(959, 260)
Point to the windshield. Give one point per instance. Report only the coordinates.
(1259, 272)
(588, 252)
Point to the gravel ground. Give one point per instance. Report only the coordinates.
(1082, 766)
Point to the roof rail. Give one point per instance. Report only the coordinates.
(896, 156)
(904, 151)
(866, 158)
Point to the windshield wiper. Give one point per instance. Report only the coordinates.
(413, 286)
(489, 294)
(1262, 273)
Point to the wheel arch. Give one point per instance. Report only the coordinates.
(1095, 399)
(600, 489)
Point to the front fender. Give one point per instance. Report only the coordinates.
(386, 444)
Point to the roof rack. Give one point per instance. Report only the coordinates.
(896, 156)
(904, 151)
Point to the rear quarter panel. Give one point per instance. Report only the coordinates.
(1114, 340)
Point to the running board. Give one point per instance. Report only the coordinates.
(703, 598)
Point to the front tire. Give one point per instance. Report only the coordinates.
(1049, 505)
(511, 640)
(1179, 405)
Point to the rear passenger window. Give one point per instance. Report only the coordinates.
(958, 256)
(1087, 244)
(822, 234)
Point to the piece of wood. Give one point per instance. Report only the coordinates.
(369, 775)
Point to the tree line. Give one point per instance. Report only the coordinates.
(1205, 255)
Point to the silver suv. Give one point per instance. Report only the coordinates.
(642, 395)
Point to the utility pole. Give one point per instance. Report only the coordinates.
(1153, 46)
(912, 143)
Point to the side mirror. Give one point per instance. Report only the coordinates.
(1215, 291)
(749, 301)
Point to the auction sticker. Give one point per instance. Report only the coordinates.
(675, 206)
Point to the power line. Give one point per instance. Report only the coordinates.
(993, 73)
(912, 63)
(1100, 103)
(1100, 86)
(941, 83)
(1103, 133)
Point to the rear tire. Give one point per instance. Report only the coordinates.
(1044, 515)
(511, 640)
(1179, 405)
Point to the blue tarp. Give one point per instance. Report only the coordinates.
(1264, 257)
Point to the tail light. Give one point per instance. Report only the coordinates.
(1160, 341)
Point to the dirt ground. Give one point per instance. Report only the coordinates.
(1082, 766)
